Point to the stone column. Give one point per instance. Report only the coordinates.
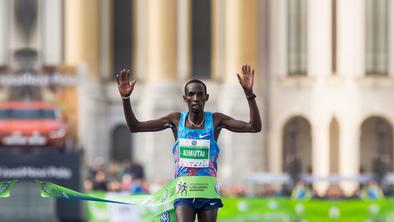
(4, 48)
(4, 45)
(82, 34)
(264, 79)
(319, 67)
(161, 60)
(240, 47)
(278, 69)
(275, 154)
(241, 38)
(218, 34)
(139, 44)
(278, 39)
(51, 38)
(106, 44)
(320, 151)
(184, 39)
(391, 36)
(52, 32)
(351, 64)
(351, 50)
(349, 158)
(82, 50)
(319, 38)
(160, 95)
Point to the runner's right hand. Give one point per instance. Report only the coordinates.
(124, 86)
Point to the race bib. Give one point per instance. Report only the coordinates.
(194, 153)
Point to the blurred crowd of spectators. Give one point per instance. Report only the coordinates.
(129, 177)
(117, 177)
(370, 190)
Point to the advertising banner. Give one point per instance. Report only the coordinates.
(62, 168)
(39, 109)
(262, 209)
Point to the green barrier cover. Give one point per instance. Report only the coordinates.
(5, 188)
(283, 209)
(345, 210)
(387, 210)
(245, 209)
(256, 209)
(159, 206)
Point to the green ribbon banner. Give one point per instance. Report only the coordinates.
(181, 187)
(156, 206)
(5, 188)
(51, 190)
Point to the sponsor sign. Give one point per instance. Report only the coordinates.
(57, 167)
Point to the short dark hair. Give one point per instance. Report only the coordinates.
(196, 81)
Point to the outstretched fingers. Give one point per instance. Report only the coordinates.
(133, 83)
(127, 74)
(118, 78)
(123, 77)
(239, 77)
(246, 69)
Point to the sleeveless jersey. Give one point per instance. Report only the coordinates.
(195, 150)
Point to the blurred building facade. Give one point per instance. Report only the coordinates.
(324, 83)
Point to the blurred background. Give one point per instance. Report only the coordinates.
(324, 80)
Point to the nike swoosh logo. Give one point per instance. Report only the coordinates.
(203, 135)
(212, 204)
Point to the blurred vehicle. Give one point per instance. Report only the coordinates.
(31, 124)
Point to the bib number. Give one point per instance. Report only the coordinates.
(194, 153)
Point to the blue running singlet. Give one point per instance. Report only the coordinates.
(195, 151)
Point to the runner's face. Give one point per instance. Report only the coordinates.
(195, 97)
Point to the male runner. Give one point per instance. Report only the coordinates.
(198, 131)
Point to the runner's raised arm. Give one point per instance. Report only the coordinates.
(246, 81)
(125, 89)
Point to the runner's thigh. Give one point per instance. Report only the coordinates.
(208, 215)
(184, 214)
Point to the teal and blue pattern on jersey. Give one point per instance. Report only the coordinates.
(207, 133)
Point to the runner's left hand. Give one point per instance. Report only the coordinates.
(247, 79)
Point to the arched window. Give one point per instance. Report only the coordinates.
(121, 149)
(376, 32)
(297, 37)
(376, 146)
(297, 147)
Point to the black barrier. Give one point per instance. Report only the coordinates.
(60, 168)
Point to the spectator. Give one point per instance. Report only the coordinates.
(137, 171)
(372, 191)
(301, 191)
(139, 186)
(114, 186)
(114, 171)
(126, 182)
(100, 181)
(87, 185)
